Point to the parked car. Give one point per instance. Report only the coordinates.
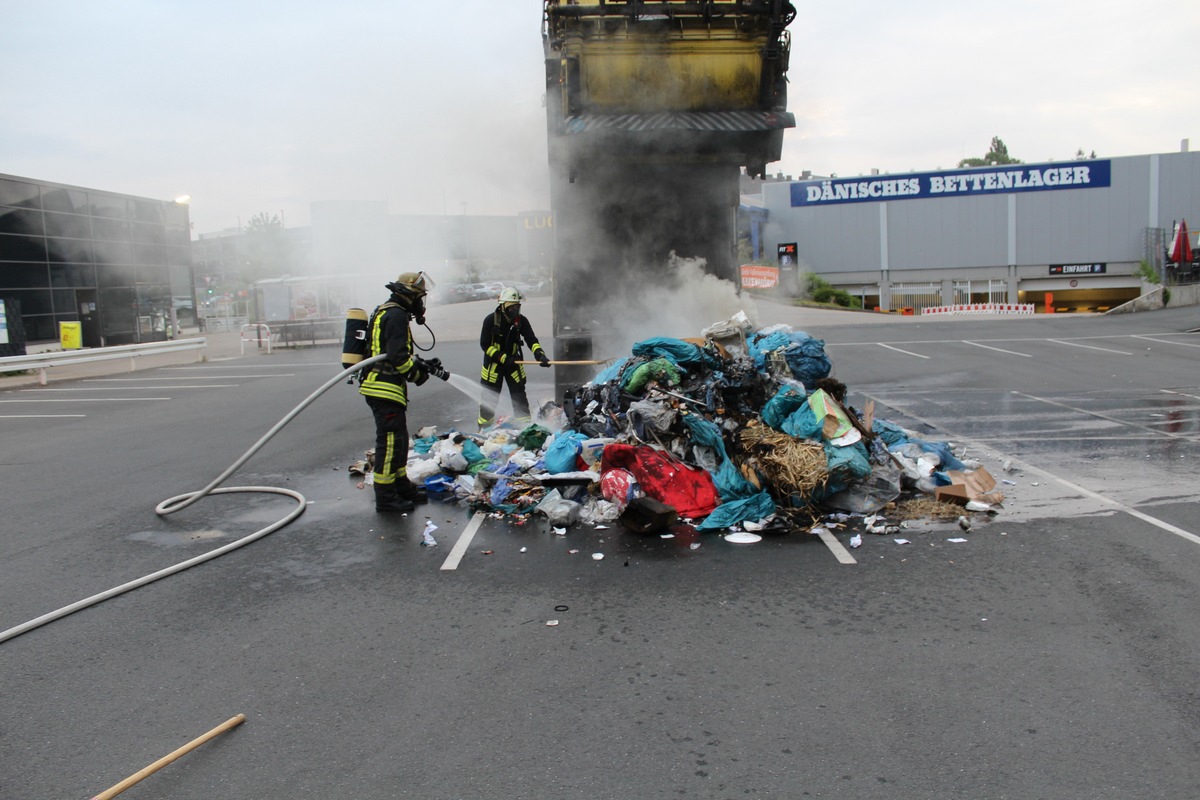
(530, 289)
(467, 292)
(493, 289)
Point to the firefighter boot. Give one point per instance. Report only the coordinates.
(407, 490)
(388, 499)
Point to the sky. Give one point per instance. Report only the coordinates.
(437, 107)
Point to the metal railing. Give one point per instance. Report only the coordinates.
(44, 361)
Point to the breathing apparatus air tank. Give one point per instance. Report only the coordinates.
(354, 346)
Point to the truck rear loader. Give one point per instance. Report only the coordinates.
(653, 109)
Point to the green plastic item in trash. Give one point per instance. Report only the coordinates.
(533, 437)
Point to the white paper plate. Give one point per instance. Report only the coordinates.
(743, 538)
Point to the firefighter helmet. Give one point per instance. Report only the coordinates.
(510, 295)
(412, 285)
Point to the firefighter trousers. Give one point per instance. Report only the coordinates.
(391, 440)
(491, 397)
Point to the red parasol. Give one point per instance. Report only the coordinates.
(1181, 245)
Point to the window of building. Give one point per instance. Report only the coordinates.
(70, 250)
(73, 226)
(108, 205)
(15, 247)
(21, 220)
(22, 275)
(19, 193)
(65, 275)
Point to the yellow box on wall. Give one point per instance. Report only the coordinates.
(70, 334)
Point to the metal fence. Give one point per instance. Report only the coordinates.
(991, 291)
(915, 295)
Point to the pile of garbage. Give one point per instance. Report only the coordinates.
(736, 429)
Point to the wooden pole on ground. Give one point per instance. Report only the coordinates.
(137, 777)
(568, 362)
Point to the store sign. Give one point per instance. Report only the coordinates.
(3, 324)
(1078, 269)
(1007, 179)
(756, 277)
(786, 253)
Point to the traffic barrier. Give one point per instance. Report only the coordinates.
(43, 361)
(257, 332)
(1009, 309)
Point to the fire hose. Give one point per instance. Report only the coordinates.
(182, 501)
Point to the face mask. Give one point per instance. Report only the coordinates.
(512, 312)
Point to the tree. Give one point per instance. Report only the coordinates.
(265, 253)
(997, 155)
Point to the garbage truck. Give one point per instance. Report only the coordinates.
(653, 110)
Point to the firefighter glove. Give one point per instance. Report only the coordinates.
(540, 355)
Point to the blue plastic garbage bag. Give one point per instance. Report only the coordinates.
(802, 423)
(560, 455)
(756, 507)
(706, 434)
(499, 492)
(891, 433)
(785, 402)
(726, 477)
(942, 451)
(731, 483)
(758, 345)
(439, 483)
(683, 354)
(610, 372)
(806, 359)
(471, 451)
(844, 465)
(423, 444)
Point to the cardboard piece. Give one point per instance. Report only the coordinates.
(964, 486)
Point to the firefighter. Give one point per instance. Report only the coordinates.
(500, 340)
(385, 387)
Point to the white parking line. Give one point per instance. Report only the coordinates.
(1181, 394)
(1091, 347)
(135, 388)
(464, 541)
(997, 349)
(39, 416)
(190, 378)
(1165, 341)
(253, 366)
(1105, 417)
(1026, 467)
(85, 400)
(898, 350)
(839, 552)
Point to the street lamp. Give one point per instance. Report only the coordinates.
(183, 199)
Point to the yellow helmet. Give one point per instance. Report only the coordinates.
(411, 284)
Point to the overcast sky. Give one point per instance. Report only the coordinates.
(268, 106)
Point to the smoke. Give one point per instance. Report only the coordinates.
(682, 299)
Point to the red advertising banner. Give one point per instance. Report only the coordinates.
(756, 277)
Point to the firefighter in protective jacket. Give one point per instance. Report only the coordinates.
(500, 340)
(385, 387)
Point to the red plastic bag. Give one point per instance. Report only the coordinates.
(689, 491)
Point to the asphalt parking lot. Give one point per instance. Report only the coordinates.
(1049, 655)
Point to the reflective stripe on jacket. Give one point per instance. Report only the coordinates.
(500, 341)
(389, 334)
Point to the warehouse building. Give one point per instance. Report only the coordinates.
(1060, 235)
(115, 263)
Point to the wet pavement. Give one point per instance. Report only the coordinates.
(1048, 655)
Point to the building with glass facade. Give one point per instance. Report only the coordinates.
(116, 263)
